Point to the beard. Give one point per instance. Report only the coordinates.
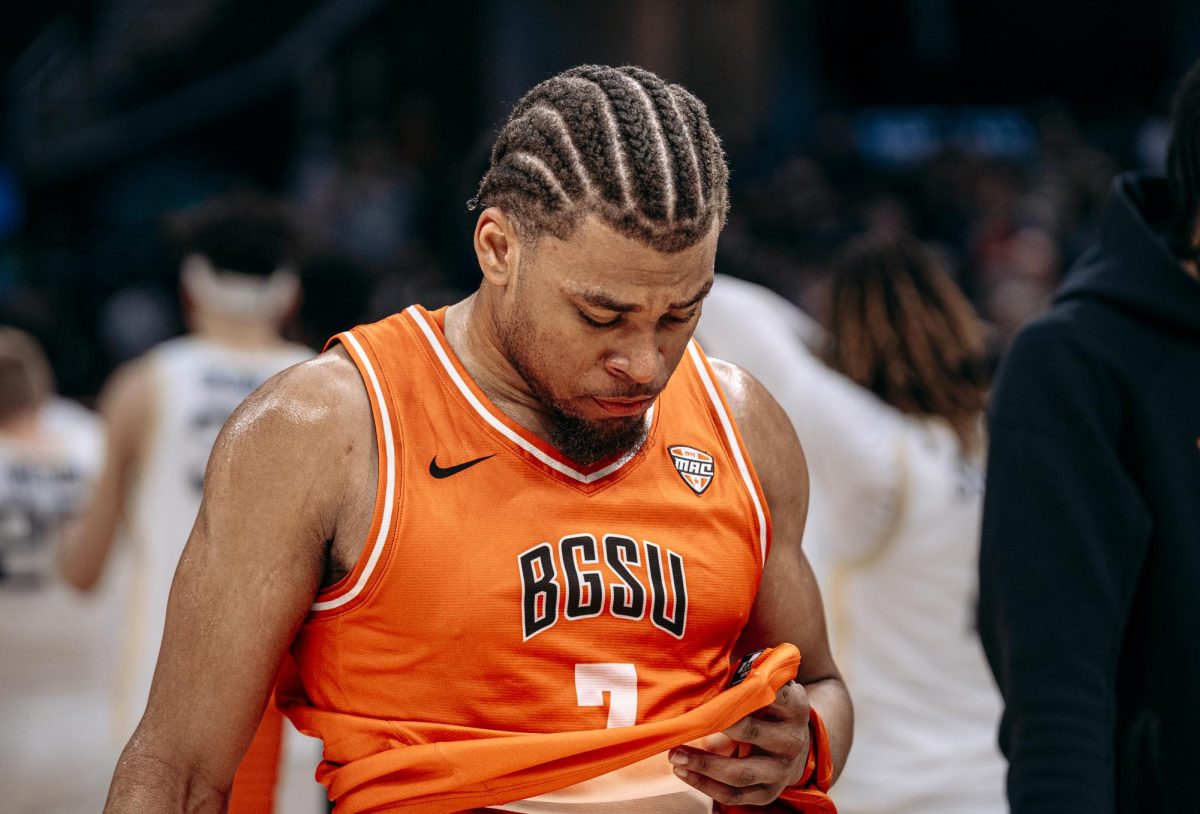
(584, 441)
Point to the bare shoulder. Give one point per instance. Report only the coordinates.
(301, 449)
(307, 425)
(313, 399)
(768, 433)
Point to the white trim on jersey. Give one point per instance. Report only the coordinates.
(389, 487)
(503, 428)
(727, 425)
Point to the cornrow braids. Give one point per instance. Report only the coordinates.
(619, 143)
(901, 328)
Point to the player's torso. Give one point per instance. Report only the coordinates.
(519, 593)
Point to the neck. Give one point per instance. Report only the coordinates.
(470, 332)
(244, 334)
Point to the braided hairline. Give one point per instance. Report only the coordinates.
(614, 132)
(577, 164)
(523, 190)
(636, 143)
(672, 90)
(539, 166)
(673, 127)
(656, 132)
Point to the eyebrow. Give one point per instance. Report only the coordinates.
(598, 299)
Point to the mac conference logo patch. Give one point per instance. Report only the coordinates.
(694, 466)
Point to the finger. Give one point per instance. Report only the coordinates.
(735, 772)
(791, 701)
(787, 739)
(723, 793)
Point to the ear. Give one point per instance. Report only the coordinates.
(496, 246)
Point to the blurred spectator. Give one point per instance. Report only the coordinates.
(891, 429)
(55, 668)
(1090, 568)
(163, 411)
(1017, 278)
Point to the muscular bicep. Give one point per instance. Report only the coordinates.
(788, 606)
(250, 569)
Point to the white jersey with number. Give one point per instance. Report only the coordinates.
(893, 534)
(197, 384)
(56, 736)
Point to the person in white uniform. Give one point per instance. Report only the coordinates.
(163, 412)
(892, 429)
(56, 742)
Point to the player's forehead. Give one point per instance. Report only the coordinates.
(600, 266)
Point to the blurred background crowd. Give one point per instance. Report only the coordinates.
(990, 129)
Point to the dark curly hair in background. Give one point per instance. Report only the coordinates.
(244, 232)
(900, 327)
(619, 143)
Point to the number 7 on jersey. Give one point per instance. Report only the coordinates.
(592, 681)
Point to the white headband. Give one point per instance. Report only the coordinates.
(236, 295)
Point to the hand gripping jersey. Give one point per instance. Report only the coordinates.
(519, 632)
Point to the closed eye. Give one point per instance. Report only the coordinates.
(681, 320)
(598, 324)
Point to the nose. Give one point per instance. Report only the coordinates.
(639, 359)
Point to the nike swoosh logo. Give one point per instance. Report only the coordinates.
(439, 472)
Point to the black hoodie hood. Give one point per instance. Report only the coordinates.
(1132, 267)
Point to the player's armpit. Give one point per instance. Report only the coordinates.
(274, 492)
(788, 607)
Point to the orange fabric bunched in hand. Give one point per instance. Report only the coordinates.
(476, 772)
(808, 796)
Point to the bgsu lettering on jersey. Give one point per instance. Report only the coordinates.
(581, 578)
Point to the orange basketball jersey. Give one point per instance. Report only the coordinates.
(504, 591)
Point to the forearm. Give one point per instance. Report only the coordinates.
(831, 700)
(146, 783)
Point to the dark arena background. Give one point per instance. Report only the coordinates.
(912, 180)
(989, 128)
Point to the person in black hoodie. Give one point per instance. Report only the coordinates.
(1090, 563)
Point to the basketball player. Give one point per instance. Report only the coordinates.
(517, 544)
(891, 427)
(163, 412)
(54, 645)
